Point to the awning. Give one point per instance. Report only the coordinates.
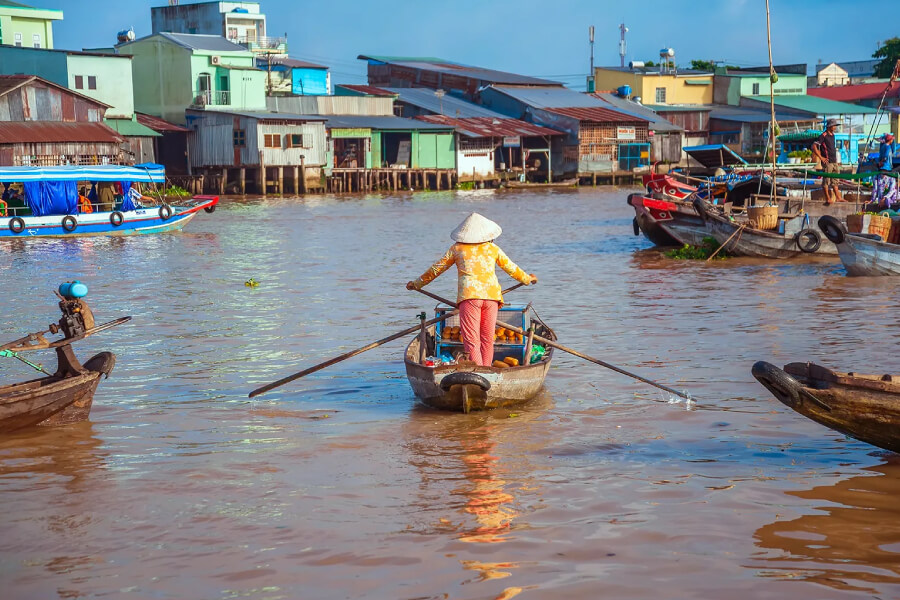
(146, 173)
(54, 132)
(130, 128)
(714, 155)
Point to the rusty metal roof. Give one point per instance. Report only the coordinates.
(438, 65)
(10, 82)
(368, 90)
(158, 125)
(597, 114)
(491, 127)
(56, 132)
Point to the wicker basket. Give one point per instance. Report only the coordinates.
(855, 223)
(763, 217)
(880, 225)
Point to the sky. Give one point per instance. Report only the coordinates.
(530, 37)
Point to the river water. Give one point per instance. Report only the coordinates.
(340, 485)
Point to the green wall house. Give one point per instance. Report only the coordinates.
(376, 142)
(101, 76)
(730, 88)
(176, 71)
(26, 26)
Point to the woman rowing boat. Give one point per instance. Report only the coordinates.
(475, 256)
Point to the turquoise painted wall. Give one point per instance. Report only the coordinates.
(786, 84)
(309, 82)
(52, 66)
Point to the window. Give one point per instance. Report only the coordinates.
(79, 82)
(239, 137)
(661, 95)
(295, 140)
(756, 89)
(36, 40)
(18, 39)
(92, 82)
(272, 140)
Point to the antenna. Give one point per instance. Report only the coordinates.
(591, 38)
(622, 45)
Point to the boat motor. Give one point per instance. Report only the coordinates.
(77, 315)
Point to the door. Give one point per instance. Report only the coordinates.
(204, 86)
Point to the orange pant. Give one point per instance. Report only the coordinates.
(477, 321)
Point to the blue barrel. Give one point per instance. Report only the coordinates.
(624, 91)
(73, 289)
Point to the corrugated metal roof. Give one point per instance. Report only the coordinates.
(449, 105)
(855, 93)
(654, 71)
(195, 41)
(159, 125)
(56, 132)
(439, 65)
(819, 106)
(368, 90)
(365, 122)
(629, 107)
(9, 83)
(549, 97)
(289, 62)
(491, 127)
(746, 114)
(261, 115)
(130, 128)
(597, 114)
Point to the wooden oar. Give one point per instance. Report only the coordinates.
(572, 351)
(345, 356)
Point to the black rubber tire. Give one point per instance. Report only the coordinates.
(784, 387)
(808, 240)
(116, 218)
(465, 378)
(210, 209)
(700, 207)
(69, 223)
(833, 229)
(101, 363)
(16, 225)
(165, 212)
(635, 226)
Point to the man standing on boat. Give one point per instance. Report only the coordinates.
(884, 186)
(825, 152)
(476, 256)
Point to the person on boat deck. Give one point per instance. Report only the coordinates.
(825, 153)
(106, 192)
(884, 186)
(478, 293)
(84, 205)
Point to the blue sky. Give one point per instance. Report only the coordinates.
(531, 37)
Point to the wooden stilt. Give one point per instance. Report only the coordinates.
(295, 177)
(243, 180)
(223, 182)
(280, 180)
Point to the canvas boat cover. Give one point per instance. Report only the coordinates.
(144, 173)
(713, 156)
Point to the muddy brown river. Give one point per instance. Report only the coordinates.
(340, 485)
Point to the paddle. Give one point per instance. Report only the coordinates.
(345, 356)
(572, 351)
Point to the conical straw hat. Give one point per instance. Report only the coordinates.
(475, 230)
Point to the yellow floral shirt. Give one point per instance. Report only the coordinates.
(475, 264)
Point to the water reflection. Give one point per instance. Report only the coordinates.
(853, 544)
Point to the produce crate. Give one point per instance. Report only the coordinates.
(513, 314)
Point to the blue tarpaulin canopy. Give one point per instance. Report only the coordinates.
(51, 197)
(144, 173)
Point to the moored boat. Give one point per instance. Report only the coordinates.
(459, 385)
(861, 254)
(51, 205)
(866, 407)
(65, 396)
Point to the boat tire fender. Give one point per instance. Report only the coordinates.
(69, 223)
(210, 209)
(465, 378)
(16, 225)
(700, 207)
(116, 218)
(165, 212)
(833, 229)
(636, 227)
(809, 240)
(784, 387)
(102, 363)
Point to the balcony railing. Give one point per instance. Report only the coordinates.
(272, 45)
(211, 98)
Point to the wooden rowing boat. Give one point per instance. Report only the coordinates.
(65, 396)
(866, 407)
(464, 387)
(864, 255)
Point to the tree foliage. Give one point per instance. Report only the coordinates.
(889, 52)
(703, 65)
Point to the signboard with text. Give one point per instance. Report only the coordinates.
(626, 133)
(512, 141)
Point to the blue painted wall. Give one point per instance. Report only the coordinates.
(309, 82)
(52, 66)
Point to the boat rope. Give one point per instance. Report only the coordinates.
(773, 77)
(11, 354)
(894, 75)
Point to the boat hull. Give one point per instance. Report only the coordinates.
(862, 256)
(865, 407)
(45, 400)
(668, 223)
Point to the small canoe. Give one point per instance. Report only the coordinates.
(866, 407)
(667, 222)
(865, 255)
(464, 388)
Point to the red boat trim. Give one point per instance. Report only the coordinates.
(660, 204)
